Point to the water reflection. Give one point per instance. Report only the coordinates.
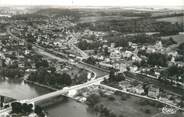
(66, 108)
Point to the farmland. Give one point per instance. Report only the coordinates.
(130, 107)
(179, 19)
(178, 38)
(104, 18)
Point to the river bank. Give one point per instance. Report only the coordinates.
(20, 90)
(40, 85)
(58, 100)
(53, 89)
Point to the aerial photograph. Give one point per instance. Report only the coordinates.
(91, 58)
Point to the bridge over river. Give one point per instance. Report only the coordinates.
(59, 92)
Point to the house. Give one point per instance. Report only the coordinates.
(173, 53)
(106, 65)
(139, 89)
(153, 92)
(26, 52)
(127, 54)
(150, 50)
(133, 45)
(21, 65)
(124, 85)
(181, 33)
(21, 43)
(2, 56)
(166, 100)
(135, 58)
(112, 45)
(108, 93)
(133, 69)
(120, 65)
(115, 54)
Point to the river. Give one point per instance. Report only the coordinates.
(20, 90)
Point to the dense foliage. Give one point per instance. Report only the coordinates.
(116, 77)
(54, 79)
(135, 25)
(157, 59)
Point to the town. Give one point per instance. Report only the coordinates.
(118, 62)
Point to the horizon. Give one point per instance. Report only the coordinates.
(181, 7)
(95, 3)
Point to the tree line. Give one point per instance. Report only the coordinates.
(43, 76)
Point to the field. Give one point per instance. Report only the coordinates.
(131, 106)
(178, 38)
(179, 19)
(103, 18)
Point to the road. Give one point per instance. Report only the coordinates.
(96, 71)
(141, 96)
(59, 92)
(76, 87)
(75, 48)
(62, 91)
(41, 51)
(149, 80)
(9, 32)
(83, 54)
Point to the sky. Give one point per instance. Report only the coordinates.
(95, 2)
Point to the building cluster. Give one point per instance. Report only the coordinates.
(149, 90)
(13, 53)
(123, 59)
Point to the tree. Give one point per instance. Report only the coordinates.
(91, 60)
(27, 108)
(181, 48)
(181, 104)
(30, 108)
(29, 46)
(173, 70)
(38, 110)
(111, 98)
(82, 77)
(52, 69)
(93, 99)
(83, 45)
(146, 88)
(112, 75)
(119, 77)
(147, 111)
(66, 79)
(41, 63)
(24, 107)
(157, 59)
(11, 72)
(106, 51)
(16, 107)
